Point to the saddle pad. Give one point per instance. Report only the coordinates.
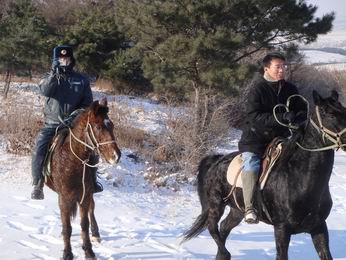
(234, 169)
(47, 160)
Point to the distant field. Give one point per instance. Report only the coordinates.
(324, 59)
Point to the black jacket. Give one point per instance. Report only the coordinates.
(72, 91)
(260, 126)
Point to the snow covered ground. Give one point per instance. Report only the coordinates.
(136, 220)
(317, 56)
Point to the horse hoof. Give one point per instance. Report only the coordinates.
(90, 258)
(225, 256)
(67, 256)
(95, 239)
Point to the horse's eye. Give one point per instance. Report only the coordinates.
(98, 127)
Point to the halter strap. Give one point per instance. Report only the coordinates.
(94, 146)
(332, 136)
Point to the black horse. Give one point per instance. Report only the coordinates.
(296, 195)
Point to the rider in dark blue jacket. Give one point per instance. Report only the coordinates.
(65, 91)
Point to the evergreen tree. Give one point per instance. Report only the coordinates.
(95, 36)
(23, 37)
(191, 44)
(204, 46)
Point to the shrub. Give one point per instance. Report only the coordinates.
(20, 126)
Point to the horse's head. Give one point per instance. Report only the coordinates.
(101, 132)
(331, 118)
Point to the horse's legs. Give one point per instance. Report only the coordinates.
(95, 235)
(320, 238)
(84, 223)
(214, 216)
(282, 240)
(66, 209)
(232, 220)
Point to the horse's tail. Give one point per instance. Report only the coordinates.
(198, 227)
(201, 222)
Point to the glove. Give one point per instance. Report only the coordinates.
(288, 117)
(55, 65)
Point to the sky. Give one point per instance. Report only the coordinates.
(327, 6)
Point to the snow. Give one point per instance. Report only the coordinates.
(315, 56)
(137, 220)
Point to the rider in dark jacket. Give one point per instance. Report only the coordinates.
(65, 91)
(261, 127)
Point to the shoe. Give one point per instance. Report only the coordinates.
(251, 217)
(37, 193)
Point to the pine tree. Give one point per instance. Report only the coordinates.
(206, 46)
(23, 38)
(95, 36)
(187, 45)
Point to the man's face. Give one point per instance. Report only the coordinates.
(276, 69)
(64, 61)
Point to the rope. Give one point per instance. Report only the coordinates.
(286, 107)
(95, 146)
(335, 138)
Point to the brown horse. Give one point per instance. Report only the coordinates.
(72, 166)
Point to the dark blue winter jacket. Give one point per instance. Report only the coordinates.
(64, 93)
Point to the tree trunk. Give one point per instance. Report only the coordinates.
(7, 82)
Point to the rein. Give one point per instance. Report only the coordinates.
(332, 136)
(94, 146)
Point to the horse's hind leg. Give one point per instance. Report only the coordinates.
(66, 210)
(84, 222)
(320, 239)
(214, 216)
(282, 240)
(232, 220)
(95, 235)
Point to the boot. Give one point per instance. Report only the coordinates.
(97, 185)
(37, 193)
(249, 180)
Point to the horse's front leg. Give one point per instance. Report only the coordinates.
(84, 222)
(320, 238)
(282, 240)
(66, 210)
(95, 235)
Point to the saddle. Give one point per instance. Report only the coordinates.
(271, 155)
(59, 137)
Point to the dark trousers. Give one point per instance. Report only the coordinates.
(43, 140)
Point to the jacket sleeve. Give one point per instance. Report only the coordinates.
(87, 95)
(257, 115)
(48, 85)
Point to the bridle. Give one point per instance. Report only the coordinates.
(334, 137)
(92, 143)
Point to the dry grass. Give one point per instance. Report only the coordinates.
(20, 126)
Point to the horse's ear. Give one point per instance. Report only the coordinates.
(103, 102)
(95, 106)
(317, 98)
(335, 95)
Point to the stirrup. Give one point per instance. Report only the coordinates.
(251, 217)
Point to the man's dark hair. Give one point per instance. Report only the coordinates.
(270, 56)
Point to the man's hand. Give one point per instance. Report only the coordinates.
(288, 117)
(55, 65)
